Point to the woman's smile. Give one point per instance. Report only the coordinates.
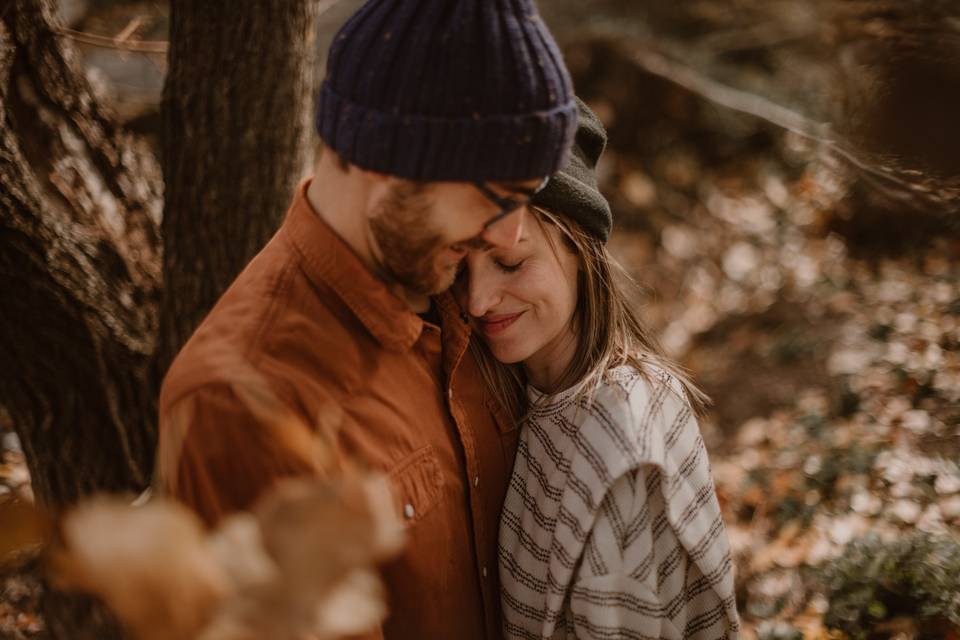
(495, 324)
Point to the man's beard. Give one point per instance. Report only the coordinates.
(408, 247)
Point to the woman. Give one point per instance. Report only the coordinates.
(611, 527)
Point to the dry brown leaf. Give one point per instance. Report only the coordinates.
(238, 547)
(899, 625)
(324, 537)
(354, 514)
(24, 527)
(768, 556)
(783, 482)
(149, 564)
(302, 564)
(753, 496)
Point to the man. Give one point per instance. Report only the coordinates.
(439, 120)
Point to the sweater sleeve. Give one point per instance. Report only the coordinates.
(615, 592)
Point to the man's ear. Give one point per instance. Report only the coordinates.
(326, 154)
(377, 185)
(374, 177)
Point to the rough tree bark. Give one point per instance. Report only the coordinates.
(236, 121)
(80, 203)
(80, 229)
(79, 240)
(79, 262)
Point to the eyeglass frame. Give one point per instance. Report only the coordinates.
(507, 204)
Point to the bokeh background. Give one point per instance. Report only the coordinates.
(784, 179)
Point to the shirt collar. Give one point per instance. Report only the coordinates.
(329, 261)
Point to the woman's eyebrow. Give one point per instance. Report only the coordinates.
(490, 247)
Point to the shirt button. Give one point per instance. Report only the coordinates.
(450, 393)
(484, 571)
(476, 481)
(408, 511)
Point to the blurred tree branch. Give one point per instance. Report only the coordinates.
(139, 46)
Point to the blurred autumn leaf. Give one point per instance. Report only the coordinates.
(24, 527)
(301, 564)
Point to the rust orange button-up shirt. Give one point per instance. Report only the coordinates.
(317, 326)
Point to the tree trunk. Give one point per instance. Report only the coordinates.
(79, 263)
(236, 120)
(80, 228)
(79, 216)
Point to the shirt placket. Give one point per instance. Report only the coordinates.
(475, 473)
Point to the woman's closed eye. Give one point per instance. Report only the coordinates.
(507, 267)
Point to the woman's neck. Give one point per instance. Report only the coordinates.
(545, 368)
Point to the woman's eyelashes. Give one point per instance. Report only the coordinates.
(507, 267)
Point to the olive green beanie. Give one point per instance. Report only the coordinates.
(573, 190)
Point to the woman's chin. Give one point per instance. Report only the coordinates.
(507, 353)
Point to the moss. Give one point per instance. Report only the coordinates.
(873, 581)
(792, 507)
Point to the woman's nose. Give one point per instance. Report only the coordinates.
(482, 294)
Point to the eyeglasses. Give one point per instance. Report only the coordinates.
(507, 204)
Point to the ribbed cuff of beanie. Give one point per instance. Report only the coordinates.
(575, 199)
(426, 148)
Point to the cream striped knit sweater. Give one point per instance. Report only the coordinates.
(611, 527)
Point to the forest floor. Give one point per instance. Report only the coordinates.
(826, 329)
(835, 378)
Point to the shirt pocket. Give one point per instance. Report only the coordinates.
(417, 484)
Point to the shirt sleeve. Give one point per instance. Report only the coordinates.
(217, 457)
(615, 591)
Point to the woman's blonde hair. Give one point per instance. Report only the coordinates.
(609, 333)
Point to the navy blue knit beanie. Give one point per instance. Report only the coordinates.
(432, 90)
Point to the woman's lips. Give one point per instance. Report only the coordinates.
(493, 325)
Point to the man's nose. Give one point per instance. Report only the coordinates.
(506, 232)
